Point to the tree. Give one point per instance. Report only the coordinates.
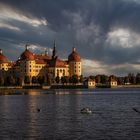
(132, 78)
(41, 80)
(92, 77)
(1, 81)
(34, 80)
(81, 79)
(74, 79)
(27, 80)
(70, 79)
(64, 79)
(120, 80)
(98, 79)
(10, 81)
(18, 81)
(57, 79)
(138, 78)
(49, 82)
(104, 79)
(126, 80)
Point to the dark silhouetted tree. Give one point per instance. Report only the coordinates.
(27, 80)
(57, 79)
(138, 78)
(34, 80)
(49, 82)
(74, 79)
(81, 79)
(10, 81)
(41, 80)
(64, 80)
(1, 81)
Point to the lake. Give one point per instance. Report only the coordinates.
(60, 118)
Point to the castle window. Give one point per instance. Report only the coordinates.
(60, 70)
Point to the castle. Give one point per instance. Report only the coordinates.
(40, 65)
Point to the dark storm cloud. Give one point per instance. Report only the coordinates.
(85, 23)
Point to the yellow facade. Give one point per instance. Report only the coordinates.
(4, 66)
(75, 68)
(113, 83)
(33, 65)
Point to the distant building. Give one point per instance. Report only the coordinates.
(41, 65)
(90, 83)
(113, 82)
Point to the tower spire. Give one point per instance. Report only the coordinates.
(54, 44)
(0, 51)
(46, 51)
(54, 50)
(74, 49)
(26, 46)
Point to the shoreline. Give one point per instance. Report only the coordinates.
(37, 91)
(63, 87)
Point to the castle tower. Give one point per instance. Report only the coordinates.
(27, 63)
(3, 62)
(74, 60)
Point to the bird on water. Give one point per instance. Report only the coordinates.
(136, 110)
(38, 110)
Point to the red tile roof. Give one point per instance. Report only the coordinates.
(3, 59)
(27, 55)
(56, 62)
(40, 61)
(42, 57)
(74, 56)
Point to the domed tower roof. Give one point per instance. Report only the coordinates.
(27, 54)
(74, 56)
(3, 58)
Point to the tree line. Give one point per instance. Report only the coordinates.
(103, 79)
(17, 81)
(131, 79)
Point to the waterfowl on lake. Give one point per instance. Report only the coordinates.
(136, 110)
(38, 110)
(86, 110)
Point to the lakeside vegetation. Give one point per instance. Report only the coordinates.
(15, 81)
(130, 79)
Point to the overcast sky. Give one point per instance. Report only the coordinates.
(106, 33)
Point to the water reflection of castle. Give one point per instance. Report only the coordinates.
(40, 65)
